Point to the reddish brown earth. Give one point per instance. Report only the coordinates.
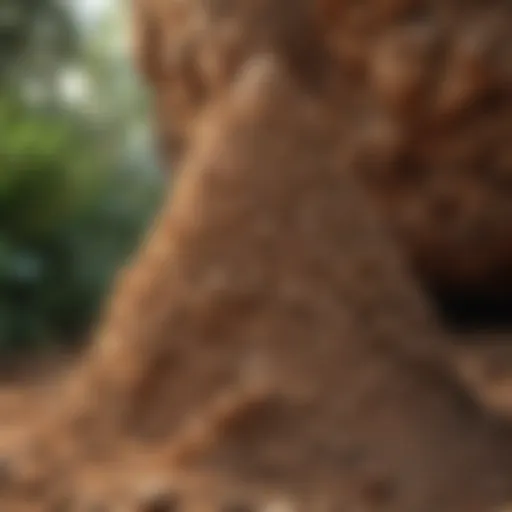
(270, 347)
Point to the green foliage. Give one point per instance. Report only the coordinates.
(32, 34)
(75, 193)
(66, 224)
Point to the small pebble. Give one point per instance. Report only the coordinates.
(6, 473)
(280, 505)
(159, 501)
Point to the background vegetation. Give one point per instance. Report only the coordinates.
(77, 178)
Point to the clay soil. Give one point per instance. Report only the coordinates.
(135, 477)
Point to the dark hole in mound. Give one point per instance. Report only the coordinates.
(467, 310)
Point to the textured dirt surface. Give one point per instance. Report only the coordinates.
(269, 348)
(432, 121)
(427, 89)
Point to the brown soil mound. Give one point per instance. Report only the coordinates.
(432, 121)
(430, 108)
(268, 349)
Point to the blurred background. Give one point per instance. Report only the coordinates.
(78, 177)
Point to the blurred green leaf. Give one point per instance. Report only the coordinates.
(72, 206)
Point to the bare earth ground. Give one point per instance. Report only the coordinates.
(485, 364)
